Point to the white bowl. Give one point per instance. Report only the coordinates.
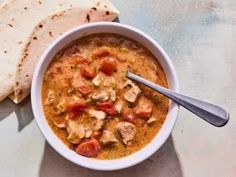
(104, 27)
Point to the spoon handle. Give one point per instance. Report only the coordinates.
(211, 113)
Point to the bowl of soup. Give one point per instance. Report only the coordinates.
(87, 109)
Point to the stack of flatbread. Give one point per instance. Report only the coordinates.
(27, 27)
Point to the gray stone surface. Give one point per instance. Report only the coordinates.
(200, 38)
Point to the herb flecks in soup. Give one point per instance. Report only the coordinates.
(92, 107)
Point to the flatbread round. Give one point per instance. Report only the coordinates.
(17, 22)
(46, 32)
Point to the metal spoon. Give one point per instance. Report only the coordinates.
(211, 113)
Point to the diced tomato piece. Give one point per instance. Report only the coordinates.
(107, 107)
(129, 115)
(102, 52)
(108, 65)
(77, 108)
(86, 89)
(97, 134)
(144, 108)
(87, 71)
(90, 148)
(78, 59)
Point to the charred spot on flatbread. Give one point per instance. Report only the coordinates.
(50, 34)
(29, 57)
(88, 17)
(22, 59)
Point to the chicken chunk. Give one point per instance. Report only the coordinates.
(110, 82)
(98, 124)
(97, 114)
(77, 81)
(88, 130)
(108, 138)
(76, 132)
(132, 94)
(144, 108)
(133, 91)
(61, 125)
(97, 80)
(151, 120)
(51, 98)
(128, 83)
(112, 94)
(61, 107)
(88, 133)
(119, 105)
(101, 96)
(127, 131)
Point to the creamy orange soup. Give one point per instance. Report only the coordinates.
(92, 107)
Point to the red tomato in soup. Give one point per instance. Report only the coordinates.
(90, 148)
(107, 107)
(129, 115)
(108, 65)
(77, 108)
(87, 71)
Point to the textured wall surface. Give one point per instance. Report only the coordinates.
(200, 38)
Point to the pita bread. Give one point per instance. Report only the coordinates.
(46, 32)
(17, 22)
(14, 30)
